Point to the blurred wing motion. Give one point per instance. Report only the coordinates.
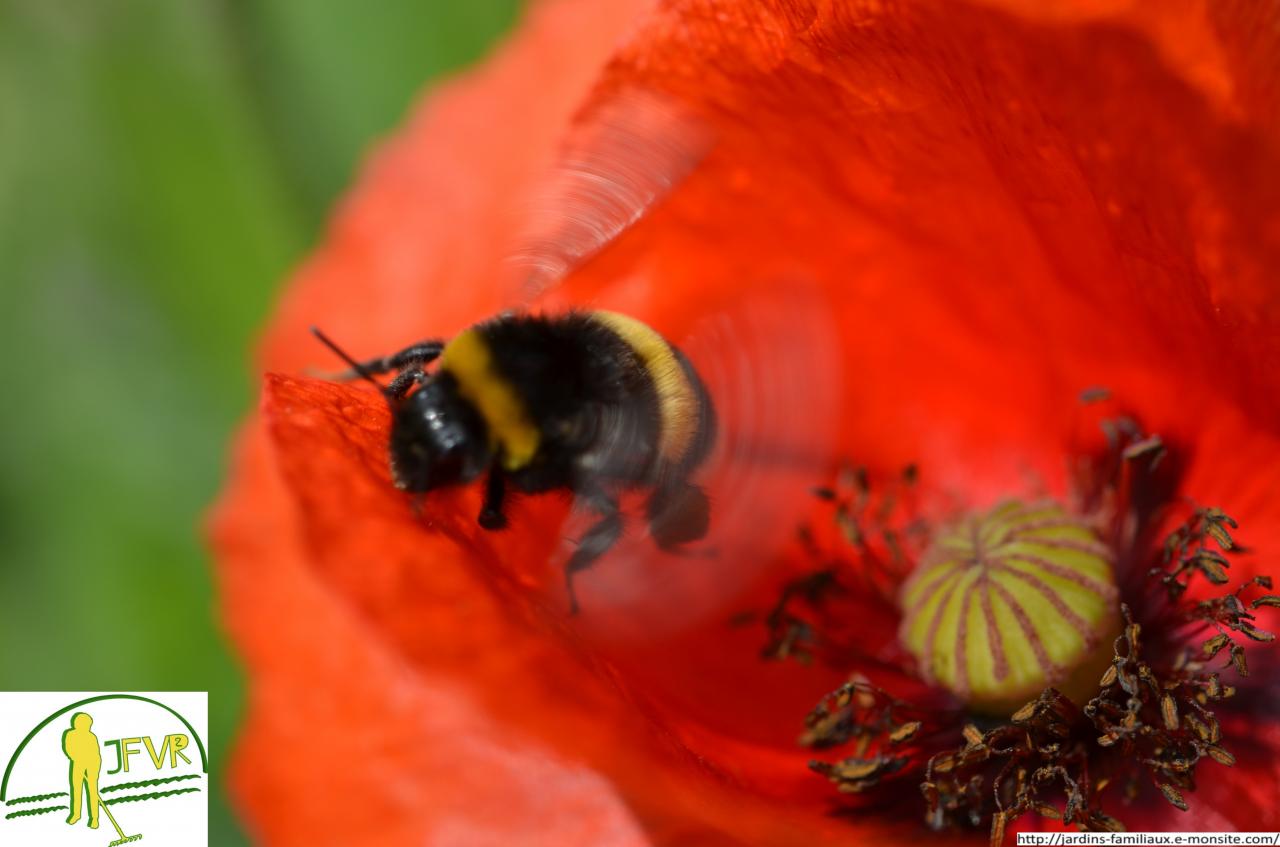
(621, 157)
(765, 347)
(770, 362)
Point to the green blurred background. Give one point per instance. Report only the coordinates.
(163, 165)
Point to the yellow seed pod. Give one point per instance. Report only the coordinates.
(1008, 603)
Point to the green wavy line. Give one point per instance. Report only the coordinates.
(27, 812)
(155, 795)
(145, 782)
(35, 798)
(132, 798)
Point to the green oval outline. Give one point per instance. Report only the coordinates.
(204, 758)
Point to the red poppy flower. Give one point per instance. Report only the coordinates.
(906, 235)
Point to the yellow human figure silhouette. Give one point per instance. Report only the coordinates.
(81, 747)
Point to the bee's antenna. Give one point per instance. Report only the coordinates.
(356, 367)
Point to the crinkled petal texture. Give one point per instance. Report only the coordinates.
(993, 205)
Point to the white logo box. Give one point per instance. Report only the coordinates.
(151, 762)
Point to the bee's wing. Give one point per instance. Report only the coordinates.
(769, 360)
(766, 351)
(620, 158)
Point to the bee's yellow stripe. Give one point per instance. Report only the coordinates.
(468, 358)
(678, 405)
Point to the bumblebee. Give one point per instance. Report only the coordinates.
(594, 403)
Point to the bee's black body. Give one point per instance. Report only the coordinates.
(593, 403)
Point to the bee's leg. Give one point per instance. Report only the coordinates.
(495, 490)
(679, 513)
(414, 356)
(404, 380)
(597, 540)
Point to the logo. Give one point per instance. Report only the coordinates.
(103, 770)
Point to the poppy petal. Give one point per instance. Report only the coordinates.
(980, 190)
(975, 191)
(355, 746)
(373, 631)
(419, 243)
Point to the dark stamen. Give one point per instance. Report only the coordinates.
(1143, 720)
(1151, 720)
(881, 727)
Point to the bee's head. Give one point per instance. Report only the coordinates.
(438, 438)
